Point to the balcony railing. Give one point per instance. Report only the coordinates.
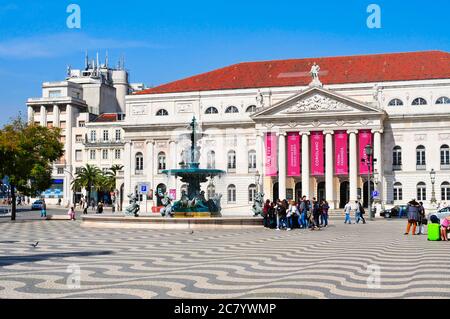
(445, 166)
(397, 167)
(421, 167)
(103, 143)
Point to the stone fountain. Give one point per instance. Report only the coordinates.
(193, 202)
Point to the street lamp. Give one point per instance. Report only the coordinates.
(433, 180)
(257, 179)
(369, 153)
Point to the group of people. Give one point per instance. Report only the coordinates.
(84, 205)
(304, 214)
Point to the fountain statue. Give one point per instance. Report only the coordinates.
(133, 208)
(193, 202)
(258, 204)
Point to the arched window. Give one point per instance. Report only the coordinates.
(421, 191)
(445, 191)
(445, 155)
(232, 109)
(251, 109)
(231, 194)
(162, 112)
(419, 101)
(211, 159)
(397, 158)
(139, 163)
(211, 110)
(251, 193)
(398, 191)
(211, 191)
(161, 161)
(395, 102)
(231, 161)
(252, 161)
(443, 100)
(420, 157)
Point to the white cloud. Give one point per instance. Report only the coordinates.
(47, 46)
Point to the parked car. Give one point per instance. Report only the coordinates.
(37, 205)
(395, 211)
(441, 213)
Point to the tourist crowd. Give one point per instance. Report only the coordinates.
(305, 214)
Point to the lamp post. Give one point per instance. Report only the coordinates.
(433, 180)
(369, 153)
(257, 180)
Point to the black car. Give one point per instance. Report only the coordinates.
(395, 211)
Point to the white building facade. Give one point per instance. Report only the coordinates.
(272, 129)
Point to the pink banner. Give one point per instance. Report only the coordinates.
(173, 193)
(365, 137)
(317, 163)
(271, 155)
(340, 153)
(293, 154)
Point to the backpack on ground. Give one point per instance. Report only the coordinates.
(434, 232)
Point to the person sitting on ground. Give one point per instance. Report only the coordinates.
(445, 227)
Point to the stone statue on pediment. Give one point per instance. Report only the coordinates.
(259, 100)
(315, 69)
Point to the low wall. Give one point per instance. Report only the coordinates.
(114, 221)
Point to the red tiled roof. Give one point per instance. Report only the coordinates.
(106, 117)
(334, 70)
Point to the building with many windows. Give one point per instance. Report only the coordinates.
(273, 128)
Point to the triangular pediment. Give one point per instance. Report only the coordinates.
(317, 101)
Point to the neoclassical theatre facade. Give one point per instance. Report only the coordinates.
(300, 127)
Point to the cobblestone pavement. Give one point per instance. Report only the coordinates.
(342, 261)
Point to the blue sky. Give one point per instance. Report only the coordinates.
(164, 41)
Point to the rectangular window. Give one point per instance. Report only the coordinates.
(105, 135)
(62, 139)
(60, 171)
(421, 193)
(93, 136)
(78, 138)
(49, 124)
(105, 154)
(81, 124)
(54, 93)
(117, 154)
(78, 155)
(118, 135)
(92, 154)
(62, 124)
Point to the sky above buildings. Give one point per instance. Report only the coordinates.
(164, 41)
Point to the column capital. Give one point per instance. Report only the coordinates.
(380, 130)
(354, 131)
(150, 142)
(331, 132)
(305, 133)
(260, 134)
(281, 133)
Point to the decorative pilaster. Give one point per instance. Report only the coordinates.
(305, 164)
(43, 115)
(56, 116)
(353, 167)
(282, 165)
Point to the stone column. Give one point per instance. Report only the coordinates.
(128, 167)
(149, 163)
(305, 164)
(329, 169)
(260, 158)
(43, 115)
(56, 115)
(378, 166)
(30, 115)
(353, 167)
(68, 153)
(282, 165)
(172, 163)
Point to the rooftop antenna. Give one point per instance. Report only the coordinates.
(86, 60)
(106, 59)
(98, 64)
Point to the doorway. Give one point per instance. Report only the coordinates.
(366, 193)
(344, 192)
(320, 191)
(298, 191)
(275, 192)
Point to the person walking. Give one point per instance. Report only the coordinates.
(413, 216)
(422, 219)
(302, 213)
(316, 214)
(44, 209)
(85, 206)
(359, 212)
(325, 207)
(348, 210)
(93, 204)
(71, 213)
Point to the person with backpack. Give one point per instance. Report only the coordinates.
(315, 214)
(413, 216)
(359, 214)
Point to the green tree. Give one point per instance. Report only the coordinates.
(26, 154)
(87, 178)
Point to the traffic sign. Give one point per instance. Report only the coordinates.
(375, 194)
(143, 188)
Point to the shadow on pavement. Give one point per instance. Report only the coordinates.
(11, 260)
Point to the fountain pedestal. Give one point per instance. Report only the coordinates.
(192, 214)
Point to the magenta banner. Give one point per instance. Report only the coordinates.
(365, 137)
(271, 155)
(340, 153)
(293, 154)
(317, 165)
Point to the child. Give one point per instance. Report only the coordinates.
(71, 213)
(445, 226)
